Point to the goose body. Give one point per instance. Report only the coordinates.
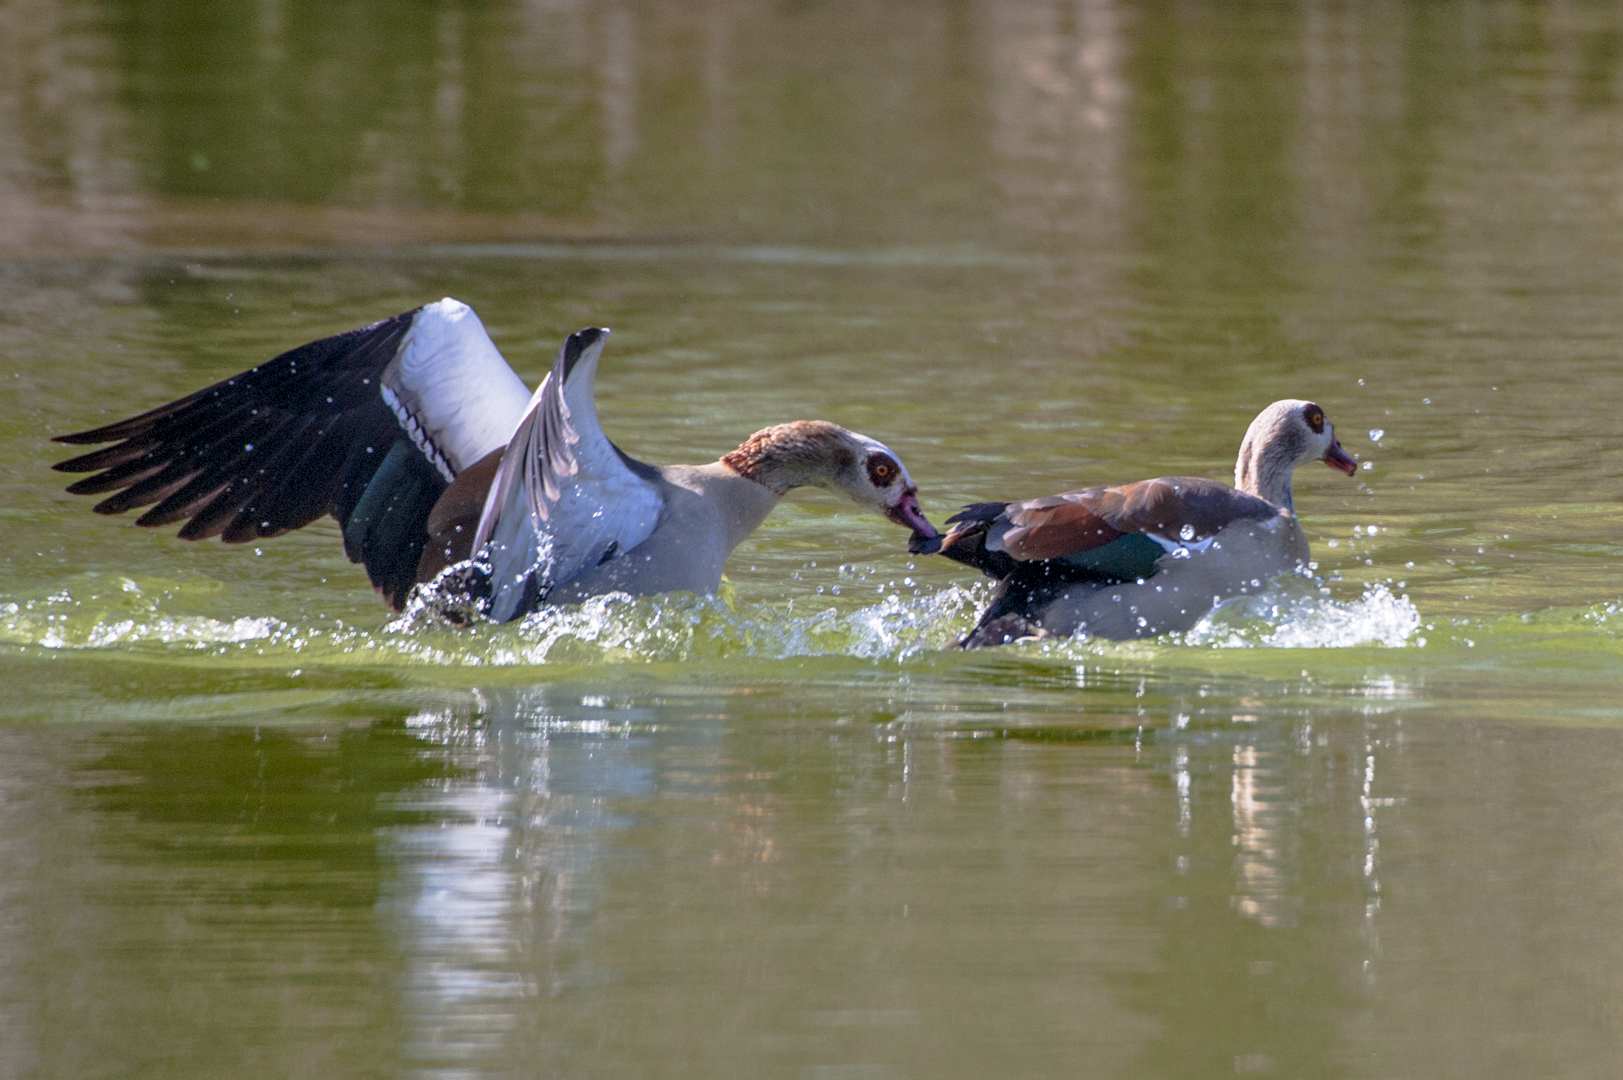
(1145, 558)
(421, 441)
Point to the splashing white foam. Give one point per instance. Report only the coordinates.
(904, 621)
(1287, 619)
(1600, 615)
(682, 627)
(192, 630)
(895, 628)
(93, 612)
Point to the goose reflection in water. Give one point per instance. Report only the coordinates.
(492, 885)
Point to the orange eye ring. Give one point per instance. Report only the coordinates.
(882, 470)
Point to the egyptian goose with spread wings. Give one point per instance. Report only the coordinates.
(1145, 558)
(421, 441)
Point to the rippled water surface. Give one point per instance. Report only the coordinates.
(1366, 825)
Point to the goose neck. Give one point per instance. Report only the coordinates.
(790, 456)
(1265, 475)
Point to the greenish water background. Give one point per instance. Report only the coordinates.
(1368, 828)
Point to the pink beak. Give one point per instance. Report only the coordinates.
(907, 512)
(1337, 458)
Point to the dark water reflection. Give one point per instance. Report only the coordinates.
(1371, 830)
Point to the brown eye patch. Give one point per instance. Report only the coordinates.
(883, 470)
(1315, 419)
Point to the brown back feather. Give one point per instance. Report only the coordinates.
(1078, 521)
(455, 517)
(1054, 527)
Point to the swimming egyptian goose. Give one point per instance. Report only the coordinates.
(425, 446)
(1145, 558)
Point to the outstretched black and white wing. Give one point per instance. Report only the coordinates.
(369, 426)
(564, 498)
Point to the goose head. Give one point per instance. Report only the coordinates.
(819, 454)
(1283, 436)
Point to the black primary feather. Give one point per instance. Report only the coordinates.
(270, 450)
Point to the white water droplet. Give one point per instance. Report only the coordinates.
(1376, 434)
(1187, 532)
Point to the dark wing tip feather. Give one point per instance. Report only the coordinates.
(238, 457)
(85, 438)
(273, 448)
(181, 502)
(982, 511)
(160, 489)
(114, 479)
(109, 458)
(575, 347)
(965, 542)
(213, 516)
(241, 529)
(551, 424)
(144, 422)
(919, 544)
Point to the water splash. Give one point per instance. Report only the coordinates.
(1606, 616)
(1285, 617)
(92, 612)
(683, 627)
(112, 613)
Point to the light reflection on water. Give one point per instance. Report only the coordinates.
(573, 849)
(512, 843)
(753, 859)
(508, 920)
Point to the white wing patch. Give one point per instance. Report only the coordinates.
(562, 500)
(450, 388)
(419, 437)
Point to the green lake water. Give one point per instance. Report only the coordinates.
(1370, 825)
